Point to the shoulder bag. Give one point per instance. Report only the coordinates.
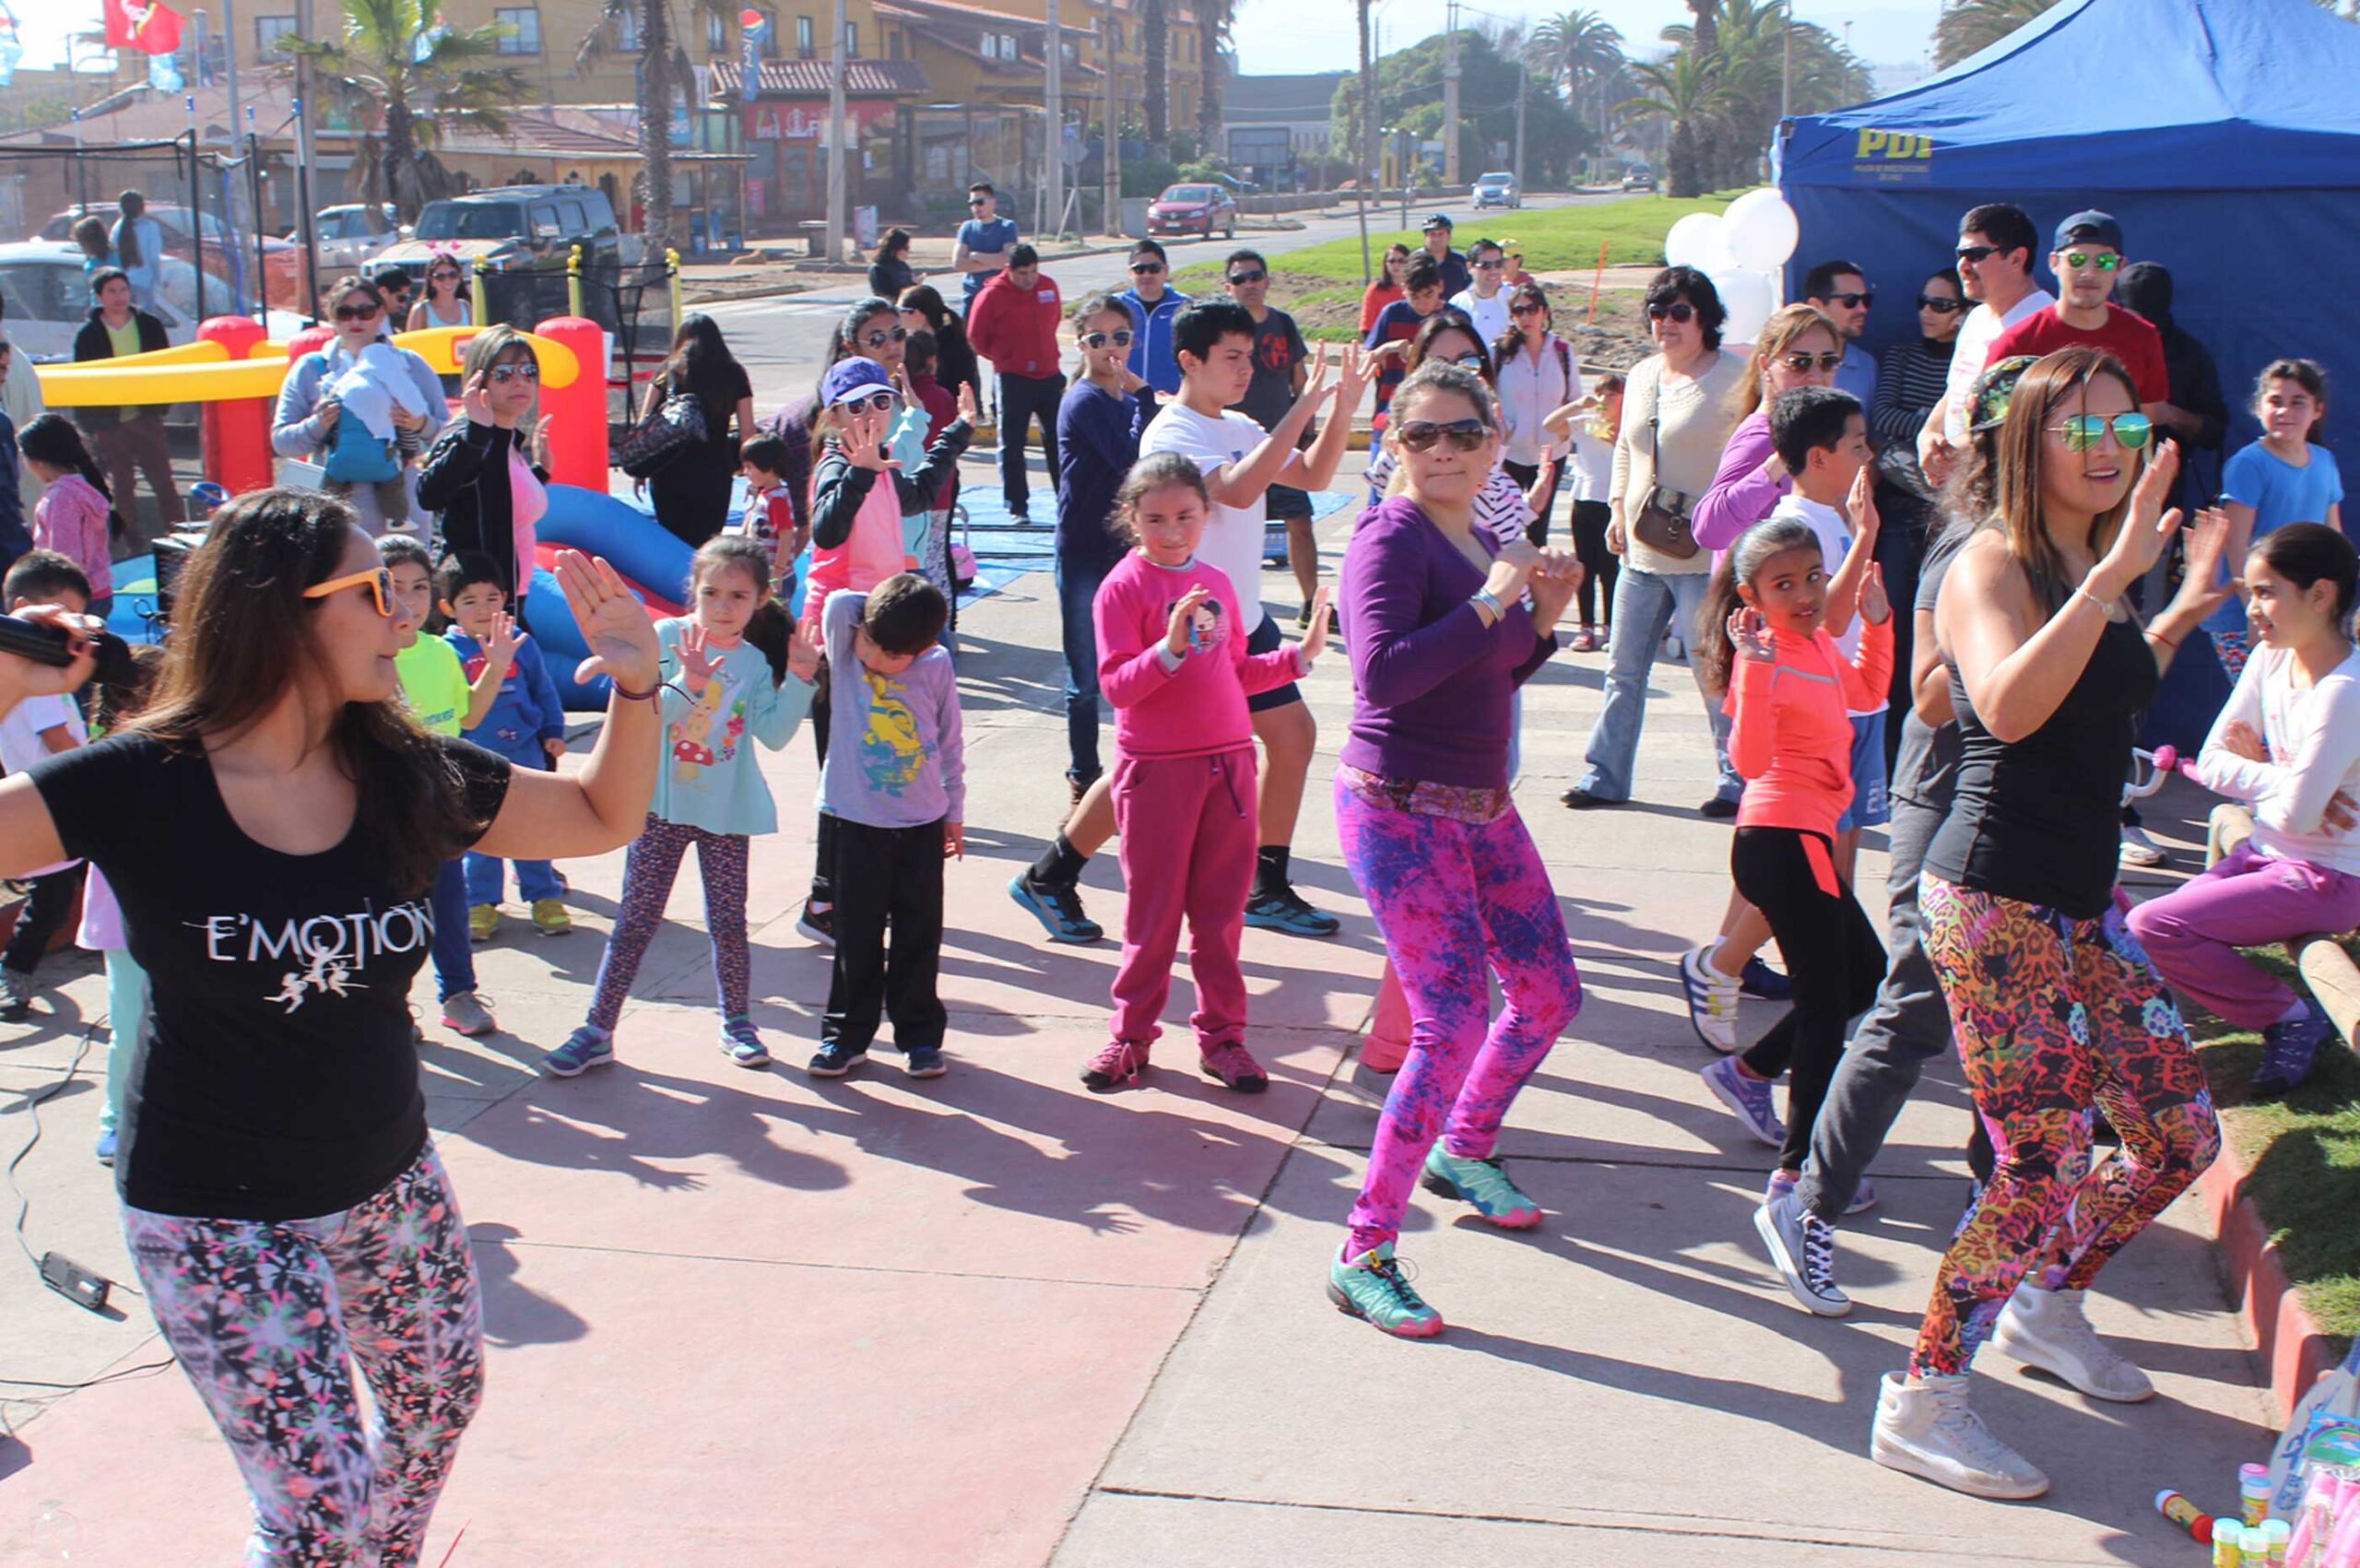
(676, 425)
(1662, 524)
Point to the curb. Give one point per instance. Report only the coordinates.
(2286, 1336)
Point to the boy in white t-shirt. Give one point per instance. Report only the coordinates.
(1213, 340)
(33, 729)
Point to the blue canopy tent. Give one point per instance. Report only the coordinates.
(2223, 133)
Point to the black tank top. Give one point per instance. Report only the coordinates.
(2041, 820)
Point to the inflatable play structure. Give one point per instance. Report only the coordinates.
(233, 371)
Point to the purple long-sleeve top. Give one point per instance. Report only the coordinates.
(1741, 495)
(1431, 681)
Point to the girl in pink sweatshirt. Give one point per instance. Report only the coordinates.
(1172, 660)
(75, 514)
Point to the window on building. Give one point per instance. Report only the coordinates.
(893, 44)
(805, 44)
(716, 32)
(268, 30)
(1115, 36)
(1008, 49)
(1071, 51)
(852, 41)
(991, 46)
(522, 25)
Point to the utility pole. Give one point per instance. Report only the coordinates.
(1055, 137)
(1787, 61)
(1451, 174)
(1110, 161)
(836, 143)
(1366, 150)
(1523, 75)
(303, 168)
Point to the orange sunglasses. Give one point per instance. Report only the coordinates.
(381, 587)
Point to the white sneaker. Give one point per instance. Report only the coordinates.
(2142, 852)
(2050, 1330)
(1712, 1000)
(1925, 1428)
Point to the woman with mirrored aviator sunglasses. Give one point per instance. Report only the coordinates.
(480, 475)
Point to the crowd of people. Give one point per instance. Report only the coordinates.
(1934, 594)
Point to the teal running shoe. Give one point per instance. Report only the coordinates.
(1371, 1286)
(585, 1048)
(1484, 1183)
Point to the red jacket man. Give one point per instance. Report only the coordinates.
(1013, 323)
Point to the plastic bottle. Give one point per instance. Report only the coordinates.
(2253, 1493)
(2175, 1507)
(2276, 1534)
(2228, 1544)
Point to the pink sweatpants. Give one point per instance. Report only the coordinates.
(2192, 933)
(1189, 828)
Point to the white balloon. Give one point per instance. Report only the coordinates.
(1761, 231)
(1696, 240)
(1747, 298)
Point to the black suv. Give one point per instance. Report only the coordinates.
(524, 234)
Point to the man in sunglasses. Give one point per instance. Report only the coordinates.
(1154, 309)
(985, 241)
(1995, 243)
(2086, 259)
(1840, 292)
(1485, 298)
(1281, 361)
(127, 441)
(1454, 272)
(1013, 323)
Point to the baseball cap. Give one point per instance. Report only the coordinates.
(1434, 221)
(853, 378)
(2094, 227)
(1994, 390)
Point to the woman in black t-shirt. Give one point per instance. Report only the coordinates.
(692, 492)
(271, 826)
(2055, 1006)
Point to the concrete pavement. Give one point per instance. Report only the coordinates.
(752, 1318)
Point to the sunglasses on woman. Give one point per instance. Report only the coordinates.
(878, 339)
(1529, 308)
(1471, 360)
(1464, 435)
(1801, 363)
(527, 371)
(1678, 310)
(444, 276)
(1120, 337)
(355, 313)
(875, 403)
(379, 580)
(2084, 431)
(1939, 306)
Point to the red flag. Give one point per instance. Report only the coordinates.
(151, 28)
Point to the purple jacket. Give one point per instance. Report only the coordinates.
(1741, 497)
(1431, 682)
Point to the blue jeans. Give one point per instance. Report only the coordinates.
(454, 956)
(488, 878)
(1645, 603)
(1077, 584)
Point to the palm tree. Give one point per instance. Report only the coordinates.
(398, 64)
(1706, 26)
(1583, 50)
(1213, 18)
(1157, 44)
(663, 69)
(1968, 26)
(1686, 90)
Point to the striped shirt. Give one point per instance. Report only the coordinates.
(1500, 510)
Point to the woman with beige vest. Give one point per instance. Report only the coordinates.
(1678, 409)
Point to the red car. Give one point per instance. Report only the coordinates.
(1193, 209)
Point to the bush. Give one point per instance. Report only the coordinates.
(1147, 177)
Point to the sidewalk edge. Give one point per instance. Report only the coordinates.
(2285, 1336)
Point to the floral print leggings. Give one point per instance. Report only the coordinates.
(2055, 1016)
(650, 866)
(268, 1319)
(1455, 901)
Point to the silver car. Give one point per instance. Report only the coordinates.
(349, 235)
(1498, 189)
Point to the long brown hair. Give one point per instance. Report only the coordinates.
(1505, 347)
(484, 350)
(1712, 653)
(2017, 511)
(1778, 335)
(243, 638)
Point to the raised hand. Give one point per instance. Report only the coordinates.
(1314, 641)
(500, 647)
(475, 400)
(803, 650)
(622, 638)
(967, 401)
(2201, 583)
(1860, 508)
(864, 441)
(2147, 527)
(1359, 368)
(1876, 609)
(1183, 611)
(1314, 385)
(1751, 635)
(1552, 585)
(696, 662)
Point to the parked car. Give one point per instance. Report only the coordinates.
(1639, 180)
(1193, 209)
(521, 229)
(49, 299)
(349, 235)
(1497, 189)
(282, 262)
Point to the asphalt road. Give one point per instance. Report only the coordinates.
(780, 340)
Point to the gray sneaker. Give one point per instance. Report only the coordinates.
(2049, 1329)
(464, 1012)
(1926, 1429)
(1802, 1248)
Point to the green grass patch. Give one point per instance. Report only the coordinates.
(1559, 240)
(2303, 1152)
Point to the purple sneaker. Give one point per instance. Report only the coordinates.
(2288, 1050)
(1748, 1098)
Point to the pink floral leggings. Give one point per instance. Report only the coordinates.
(269, 1319)
(1457, 901)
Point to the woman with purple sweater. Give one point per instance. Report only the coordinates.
(1440, 638)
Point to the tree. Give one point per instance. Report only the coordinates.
(1156, 23)
(1213, 19)
(1583, 51)
(1411, 80)
(1968, 26)
(1753, 65)
(398, 66)
(663, 71)
(1686, 91)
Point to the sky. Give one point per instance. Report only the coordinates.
(1275, 36)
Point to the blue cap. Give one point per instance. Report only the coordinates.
(853, 378)
(2092, 228)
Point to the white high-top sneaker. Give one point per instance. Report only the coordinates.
(1924, 1428)
(2050, 1330)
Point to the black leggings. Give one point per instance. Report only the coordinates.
(1833, 957)
(1601, 566)
(1525, 474)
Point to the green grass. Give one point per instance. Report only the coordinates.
(2304, 1155)
(1559, 240)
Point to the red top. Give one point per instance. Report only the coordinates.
(1380, 293)
(2128, 335)
(1016, 328)
(1792, 739)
